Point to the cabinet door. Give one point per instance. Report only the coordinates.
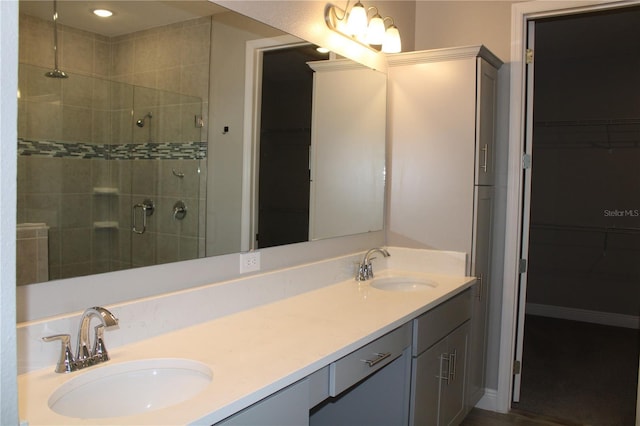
(347, 151)
(438, 381)
(452, 407)
(486, 91)
(481, 268)
(427, 384)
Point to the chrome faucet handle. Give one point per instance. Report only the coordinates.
(100, 353)
(365, 271)
(369, 269)
(360, 273)
(66, 362)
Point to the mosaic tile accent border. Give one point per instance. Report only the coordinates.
(146, 151)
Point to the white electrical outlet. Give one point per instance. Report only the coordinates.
(249, 262)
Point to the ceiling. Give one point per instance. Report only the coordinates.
(128, 16)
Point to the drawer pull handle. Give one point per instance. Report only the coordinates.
(453, 359)
(379, 358)
(444, 375)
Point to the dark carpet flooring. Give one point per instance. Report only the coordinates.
(579, 372)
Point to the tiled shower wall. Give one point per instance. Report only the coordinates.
(84, 185)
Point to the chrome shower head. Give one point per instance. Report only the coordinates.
(56, 74)
(140, 122)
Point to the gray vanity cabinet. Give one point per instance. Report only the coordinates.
(439, 364)
(287, 407)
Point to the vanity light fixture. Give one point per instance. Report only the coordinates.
(103, 13)
(355, 24)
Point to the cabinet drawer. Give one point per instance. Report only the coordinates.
(354, 367)
(440, 321)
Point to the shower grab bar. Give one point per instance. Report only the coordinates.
(147, 207)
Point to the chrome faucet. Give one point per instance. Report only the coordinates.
(85, 357)
(365, 268)
(107, 319)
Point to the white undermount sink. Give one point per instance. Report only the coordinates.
(130, 388)
(403, 283)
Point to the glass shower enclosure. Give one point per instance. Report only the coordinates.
(113, 171)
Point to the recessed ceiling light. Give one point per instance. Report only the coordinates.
(103, 13)
(322, 49)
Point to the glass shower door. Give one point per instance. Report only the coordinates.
(167, 165)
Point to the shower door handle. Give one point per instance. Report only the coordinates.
(485, 154)
(147, 208)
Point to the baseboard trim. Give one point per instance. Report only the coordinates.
(489, 400)
(596, 317)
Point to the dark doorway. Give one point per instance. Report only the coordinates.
(285, 140)
(580, 360)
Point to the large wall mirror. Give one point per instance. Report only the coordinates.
(185, 130)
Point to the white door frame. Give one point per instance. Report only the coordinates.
(521, 13)
(526, 217)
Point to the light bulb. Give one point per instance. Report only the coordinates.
(357, 22)
(103, 13)
(376, 30)
(392, 42)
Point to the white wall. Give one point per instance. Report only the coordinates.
(464, 23)
(8, 159)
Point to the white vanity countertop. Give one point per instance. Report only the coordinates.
(256, 352)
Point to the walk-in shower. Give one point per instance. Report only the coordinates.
(82, 179)
(95, 139)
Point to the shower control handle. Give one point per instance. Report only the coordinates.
(147, 207)
(179, 210)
